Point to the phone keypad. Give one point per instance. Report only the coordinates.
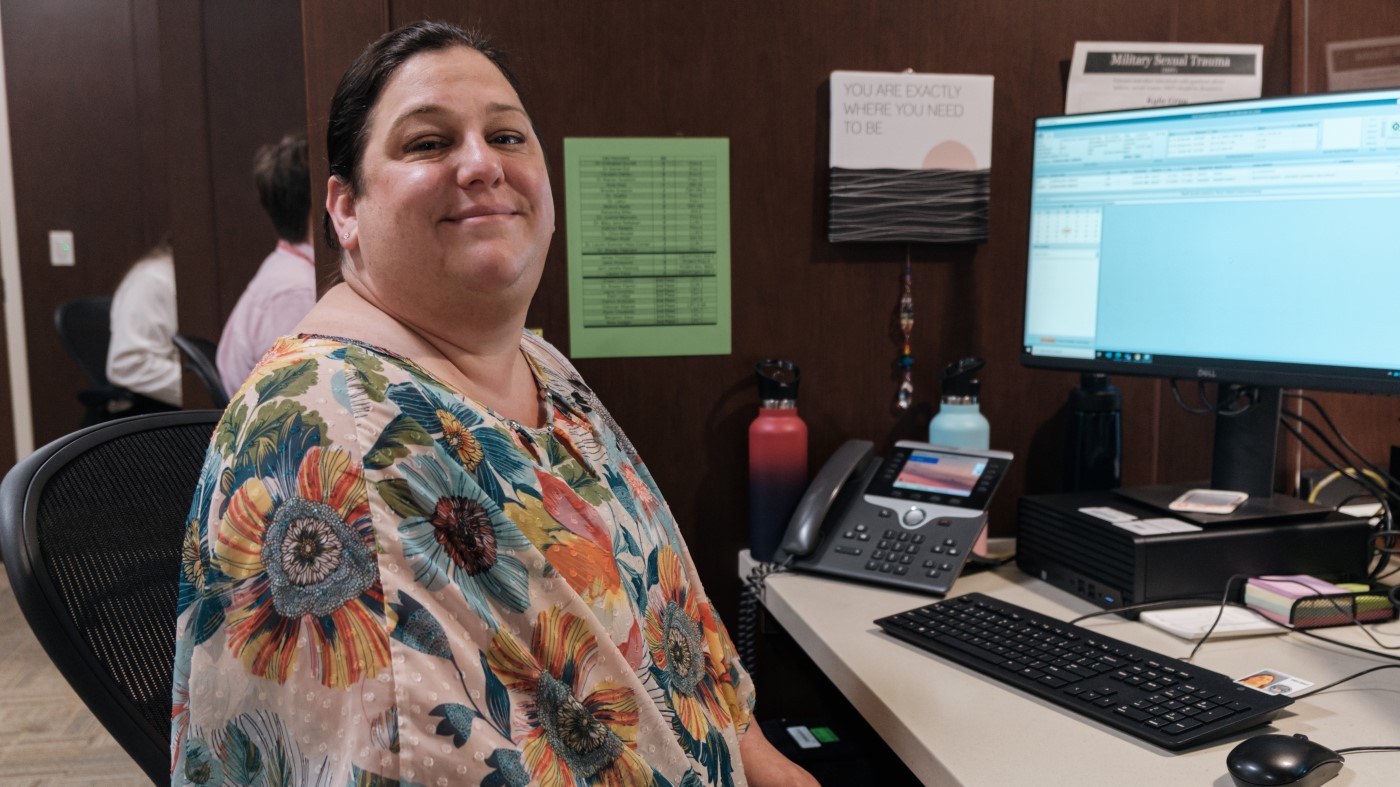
(898, 551)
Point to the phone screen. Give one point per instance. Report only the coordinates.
(946, 474)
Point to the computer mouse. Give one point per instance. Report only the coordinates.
(1282, 759)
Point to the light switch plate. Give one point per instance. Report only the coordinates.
(61, 247)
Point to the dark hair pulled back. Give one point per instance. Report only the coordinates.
(360, 86)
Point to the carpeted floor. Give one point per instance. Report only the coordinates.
(47, 736)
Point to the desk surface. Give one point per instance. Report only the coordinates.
(951, 726)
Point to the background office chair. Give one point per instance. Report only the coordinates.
(199, 355)
(85, 328)
(91, 527)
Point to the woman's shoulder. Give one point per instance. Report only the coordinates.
(321, 371)
(555, 372)
(313, 398)
(546, 354)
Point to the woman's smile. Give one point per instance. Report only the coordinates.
(481, 214)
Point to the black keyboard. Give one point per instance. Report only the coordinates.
(1161, 700)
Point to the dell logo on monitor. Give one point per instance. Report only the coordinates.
(1207, 373)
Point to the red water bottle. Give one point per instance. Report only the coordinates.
(777, 457)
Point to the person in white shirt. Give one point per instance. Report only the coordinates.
(141, 356)
(284, 288)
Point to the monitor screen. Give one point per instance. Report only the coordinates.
(1252, 242)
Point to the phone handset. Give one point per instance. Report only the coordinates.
(804, 529)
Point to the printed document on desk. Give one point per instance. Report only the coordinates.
(1108, 75)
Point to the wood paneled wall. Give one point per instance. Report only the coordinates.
(233, 81)
(757, 74)
(130, 119)
(1372, 422)
(153, 127)
(83, 83)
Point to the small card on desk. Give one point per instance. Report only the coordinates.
(1274, 682)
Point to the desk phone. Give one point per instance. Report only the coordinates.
(908, 520)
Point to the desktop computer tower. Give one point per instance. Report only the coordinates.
(1114, 567)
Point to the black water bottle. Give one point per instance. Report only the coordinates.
(1094, 445)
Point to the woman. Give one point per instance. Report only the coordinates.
(421, 552)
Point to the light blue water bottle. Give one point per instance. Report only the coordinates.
(959, 422)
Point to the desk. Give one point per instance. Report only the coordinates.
(952, 726)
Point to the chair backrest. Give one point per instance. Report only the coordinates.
(85, 328)
(199, 355)
(91, 528)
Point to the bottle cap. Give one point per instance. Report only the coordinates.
(777, 380)
(959, 385)
(1095, 394)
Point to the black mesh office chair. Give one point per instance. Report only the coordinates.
(91, 527)
(199, 355)
(84, 326)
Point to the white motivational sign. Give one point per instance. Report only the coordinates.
(882, 120)
(911, 157)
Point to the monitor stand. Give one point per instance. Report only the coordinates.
(1243, 460)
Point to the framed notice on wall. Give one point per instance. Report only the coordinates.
(1108, 75)
(911, 157)
(648, 239)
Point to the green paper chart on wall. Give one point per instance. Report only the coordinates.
(648, 242)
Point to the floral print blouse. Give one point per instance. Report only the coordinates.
(385, 583)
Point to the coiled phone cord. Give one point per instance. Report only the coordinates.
(746, 633)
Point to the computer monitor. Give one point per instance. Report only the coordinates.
(1246, 242)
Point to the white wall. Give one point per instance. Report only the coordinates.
(9, 273)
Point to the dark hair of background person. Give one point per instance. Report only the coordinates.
(284, 185)
(360, 86)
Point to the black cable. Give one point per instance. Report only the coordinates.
(1224, 599)
(1251, 396)
(1333, 426)
(1346, 645)
(746, 629)
(1175, 601)
(1179, 601)
(1209, 408)
(1185, 600)
(1220, 613)
(1390, 536)
(1344, 466)
(1354, 749)
(1340, 681)
(1337, 605)
(1370, 483)
(1200, 390)
(1391, 487)
(1387, 522)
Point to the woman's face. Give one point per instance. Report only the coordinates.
(454, 204)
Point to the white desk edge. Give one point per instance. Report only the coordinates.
(952, 726)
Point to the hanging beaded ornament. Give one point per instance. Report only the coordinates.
(906, 326)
